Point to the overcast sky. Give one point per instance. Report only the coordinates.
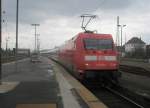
(59, 19)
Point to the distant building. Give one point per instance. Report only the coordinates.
(134, 44)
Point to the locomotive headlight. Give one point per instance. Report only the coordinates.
(110, 58)
(86, 64)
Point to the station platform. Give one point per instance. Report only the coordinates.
(44, 84)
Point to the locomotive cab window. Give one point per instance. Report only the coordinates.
(98, 44)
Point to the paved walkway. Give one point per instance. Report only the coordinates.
(44, 85)
(37, 88)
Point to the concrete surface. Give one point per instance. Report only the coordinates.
(69, 100)
(40, 86)
(37, 85)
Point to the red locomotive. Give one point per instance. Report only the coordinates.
(90, 55)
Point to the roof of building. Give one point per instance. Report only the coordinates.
(135, 40)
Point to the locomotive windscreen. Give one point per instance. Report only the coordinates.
(98, 44)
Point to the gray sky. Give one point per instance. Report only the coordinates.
(59, 19)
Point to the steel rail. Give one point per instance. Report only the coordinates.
(124, 97)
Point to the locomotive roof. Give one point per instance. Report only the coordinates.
(95, 34)
(83, 34)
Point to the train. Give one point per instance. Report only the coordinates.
(90, 56)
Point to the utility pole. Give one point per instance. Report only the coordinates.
(6, 43)
(0, 42)
(17, 15)
(121, 26)
(7, 39)
(121, 38)
(117, 33)
(35, 25)
(125, 38)
(38, 43)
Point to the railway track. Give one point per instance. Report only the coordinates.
(119, 97)
(112, 100)
(130, 101)
(135, 70)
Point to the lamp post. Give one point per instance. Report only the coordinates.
(35, 25)
(7, 39)
(121, 33)
(117, 32)
(17, 15)
(121, 26)
(38, 44)
(7, 54)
